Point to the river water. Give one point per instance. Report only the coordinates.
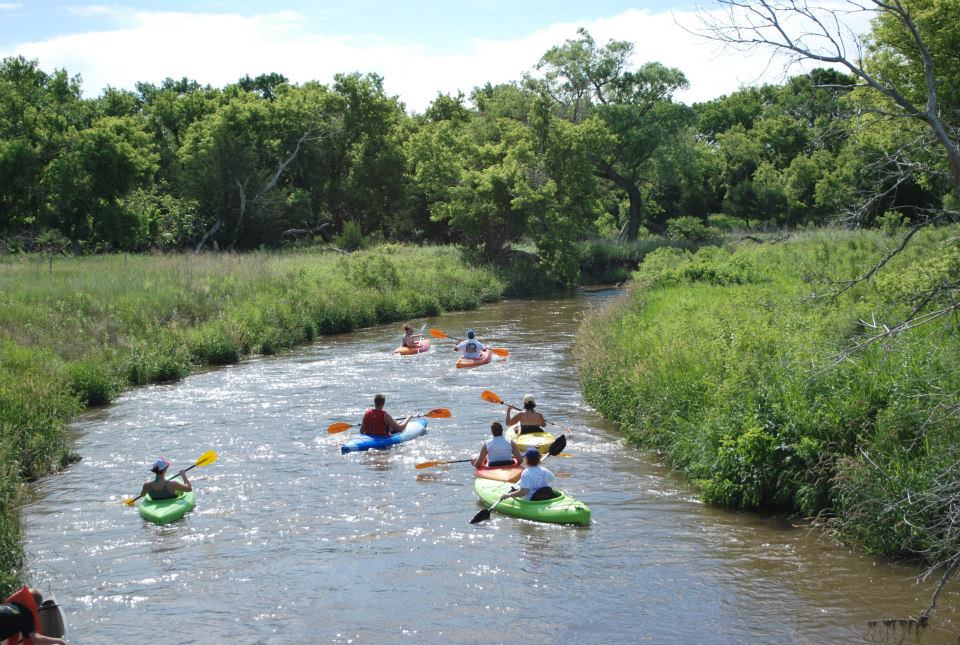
(293, 542)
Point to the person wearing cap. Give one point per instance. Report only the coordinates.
(497, 451)
(535, 481)
(377, 422)
(162, 488)
(529, 419)
(471, 347)
(17, 619)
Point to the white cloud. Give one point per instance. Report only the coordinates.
(220, 48)
(92, 10)
(10, 6)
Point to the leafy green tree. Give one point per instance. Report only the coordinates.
(629, 116)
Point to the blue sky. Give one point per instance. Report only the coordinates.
(420, 47)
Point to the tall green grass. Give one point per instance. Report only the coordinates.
(721, 361)
(79, 331)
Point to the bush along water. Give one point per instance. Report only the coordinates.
(725, 363)
(75, 332)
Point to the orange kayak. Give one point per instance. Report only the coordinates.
(421, 347)
(485, 357)
(500, 473)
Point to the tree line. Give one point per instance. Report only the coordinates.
(585, 145)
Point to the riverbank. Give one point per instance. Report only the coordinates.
(724, 363)
(78, 331)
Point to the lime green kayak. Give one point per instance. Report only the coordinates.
(165, 511)
(559, 510)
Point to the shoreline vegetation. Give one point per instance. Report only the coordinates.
(77, 331)
(727, 363)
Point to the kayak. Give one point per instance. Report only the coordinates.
(164, 511)
(53, 620)
(559, 510)
(363, 442)
(422, 346)
(485, 357)
(509, 473)
(539, 440)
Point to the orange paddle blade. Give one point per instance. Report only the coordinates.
(439, 413)
(499, 351)
(339, 426)
(490, 397)
(436, 333)
(428, 464)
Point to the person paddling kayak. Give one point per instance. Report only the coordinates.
(497, 451)
(408, 340)
(471, 347)
(378, 423)
(16, 617)
(161, 488)
(535, 480)
(529, 419)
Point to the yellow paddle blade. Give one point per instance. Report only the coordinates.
(436, 333)
(499, 351)
(339, 426)
(206, 459)
(439, 413)
(129, 501)
(490, 397)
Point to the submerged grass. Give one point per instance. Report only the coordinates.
(721, 360)
(78, 331)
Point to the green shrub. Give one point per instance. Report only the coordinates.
(722, 360)
(351, 238)
(690, 229)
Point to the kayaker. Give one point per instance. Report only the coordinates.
(497, 451)
(471, 347)
(529, 419)
(408, 339)
(161, 488)
(378, 423)
(535, 480)
(17, 618)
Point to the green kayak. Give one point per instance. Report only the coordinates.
(165, 511)
(560, 510)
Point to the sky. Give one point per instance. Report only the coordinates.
(420, 47)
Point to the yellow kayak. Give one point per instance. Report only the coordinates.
(539, 440)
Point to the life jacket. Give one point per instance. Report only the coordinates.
(25, 599)
(374, 423)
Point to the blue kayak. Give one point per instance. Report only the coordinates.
(365, 442)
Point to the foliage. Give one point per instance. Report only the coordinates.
(721, 360)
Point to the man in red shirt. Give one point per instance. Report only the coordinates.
(378, 423)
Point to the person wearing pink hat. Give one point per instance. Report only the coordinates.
(162, 488)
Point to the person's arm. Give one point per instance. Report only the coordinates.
(391, 423)
(483, 455)
(459, 346)
(185, 487)
(520, 492)
(511, 420)
(543, 421)
(144, 491)
(40, 639)
(516, 451)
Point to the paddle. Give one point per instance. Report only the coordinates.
(491, 397)
(555, 449)
(205, 459)
(436, 413)
(499, 351)
(431, 464)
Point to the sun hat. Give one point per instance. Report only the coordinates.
(528, 398)
(160, 465)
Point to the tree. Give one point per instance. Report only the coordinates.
(629, 115)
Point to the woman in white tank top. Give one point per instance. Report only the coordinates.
(497, 451)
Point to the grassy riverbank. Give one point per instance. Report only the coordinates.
(721, 361)
(78, 331)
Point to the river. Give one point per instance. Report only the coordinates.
(293, 542)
